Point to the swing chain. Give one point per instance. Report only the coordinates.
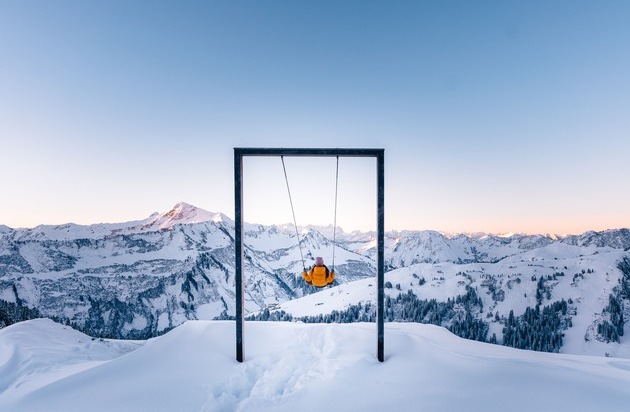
(335, 219)
(293, 212)
(295, 221)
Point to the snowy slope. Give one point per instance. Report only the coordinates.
(510, 284)
(35, 353)
(293, 366)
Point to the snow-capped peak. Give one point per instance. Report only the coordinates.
(183, 213)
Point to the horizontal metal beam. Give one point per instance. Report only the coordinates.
(330, 152)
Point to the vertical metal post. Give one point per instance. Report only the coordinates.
(380, 276)
(238, 250)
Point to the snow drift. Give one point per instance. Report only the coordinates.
(45, 366)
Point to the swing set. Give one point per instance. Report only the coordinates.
(239, 154)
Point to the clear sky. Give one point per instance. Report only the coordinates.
(495, 116)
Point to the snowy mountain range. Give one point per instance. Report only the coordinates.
(138, 279)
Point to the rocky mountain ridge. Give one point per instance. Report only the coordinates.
(138, 279)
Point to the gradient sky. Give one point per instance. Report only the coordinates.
(495, 116)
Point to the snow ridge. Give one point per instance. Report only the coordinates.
(293, 366)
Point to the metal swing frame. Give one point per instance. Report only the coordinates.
(239, 154)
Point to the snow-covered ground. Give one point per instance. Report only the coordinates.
(45, 366)
(516, 276)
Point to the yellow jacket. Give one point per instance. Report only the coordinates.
(319, 276)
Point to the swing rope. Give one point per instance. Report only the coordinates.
(293, 212)
(335, 219)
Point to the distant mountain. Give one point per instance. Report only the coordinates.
(138, 279)
(618, 239)
(181, 214)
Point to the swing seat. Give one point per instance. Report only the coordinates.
(319, 276)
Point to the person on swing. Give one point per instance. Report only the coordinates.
(319, 275)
